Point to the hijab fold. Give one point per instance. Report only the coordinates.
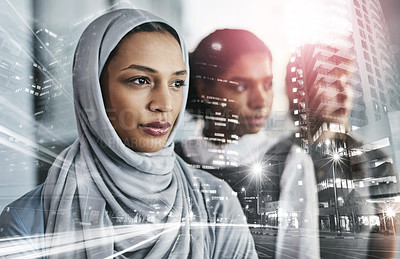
(99, 190)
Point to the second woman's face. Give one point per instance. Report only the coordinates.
(142, 89)
(247, 85)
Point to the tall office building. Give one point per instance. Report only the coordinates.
(377, 65)
(354, 159)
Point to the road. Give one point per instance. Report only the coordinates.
(331, 246)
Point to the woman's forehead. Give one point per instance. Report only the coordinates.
(150, 48)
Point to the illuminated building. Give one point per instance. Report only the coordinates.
(356, 54)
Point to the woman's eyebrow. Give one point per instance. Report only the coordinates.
(139, 67)
(182, 72)
(151, 70)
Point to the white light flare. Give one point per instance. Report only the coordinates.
(390, 212)
(336, 157)
(311, 21)
(257, 169)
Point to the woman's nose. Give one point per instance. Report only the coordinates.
(258, 97)
(160, 99)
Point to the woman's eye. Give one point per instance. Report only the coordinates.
(268, 85)
(140, 80)
(178, 84)
(239, 87)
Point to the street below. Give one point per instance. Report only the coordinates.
(331, 246)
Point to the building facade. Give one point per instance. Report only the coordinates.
(353, 151)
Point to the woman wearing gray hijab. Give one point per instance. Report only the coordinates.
(119, 190)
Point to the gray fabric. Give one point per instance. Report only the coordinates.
(98, 183)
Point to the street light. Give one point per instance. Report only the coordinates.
(244, 190)
(391, 214)
(336, 158)
(257, 171)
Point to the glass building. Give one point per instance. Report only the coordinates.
(355, 155)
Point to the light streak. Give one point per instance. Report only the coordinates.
(27, 141)
(51, 244)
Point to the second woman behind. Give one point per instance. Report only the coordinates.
(231, 95)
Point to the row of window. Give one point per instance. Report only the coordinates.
(377, 110)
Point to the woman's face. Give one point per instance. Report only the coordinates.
(142, 89)
(248, 87)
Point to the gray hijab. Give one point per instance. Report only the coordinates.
(98, 190)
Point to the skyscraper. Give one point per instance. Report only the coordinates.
(353, 151)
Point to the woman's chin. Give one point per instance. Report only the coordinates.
(146, 145)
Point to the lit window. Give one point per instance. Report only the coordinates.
(376, 106)
(334, 127)
(216, 46)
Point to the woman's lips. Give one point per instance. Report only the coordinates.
(156, 128)
(255, 121)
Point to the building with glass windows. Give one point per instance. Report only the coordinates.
(353, 146)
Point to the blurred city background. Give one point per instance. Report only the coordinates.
(38, 38)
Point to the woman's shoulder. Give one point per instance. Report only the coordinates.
(24, 216)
